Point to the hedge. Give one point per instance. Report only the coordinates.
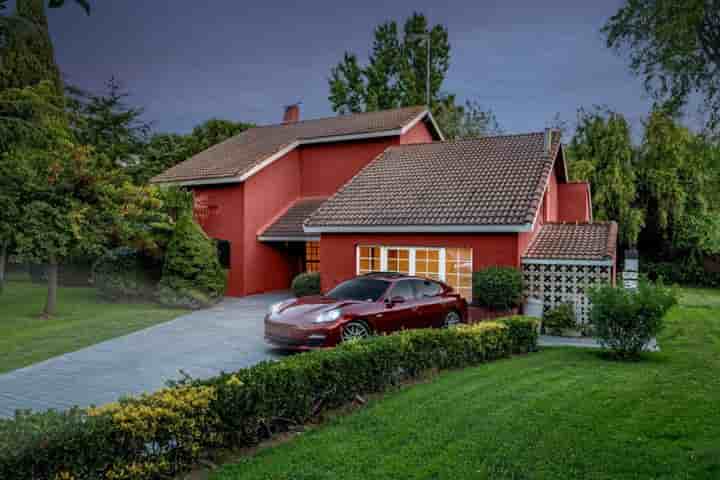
(164, 433)
(306, 284)
(499, 288)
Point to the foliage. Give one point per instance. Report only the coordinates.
(26, 52)
(626, 320)
(676, 186)
(500, 288)
(396, 73)
(560, 318)
(105, 121)
(675, 46)
(192, 275)
(469, 121)
(523, 333)
(601, 152)
(554, 415)
(690, 271)
(306, 284)
(158, 435)
(127, 274)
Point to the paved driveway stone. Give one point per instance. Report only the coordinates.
(226, 337)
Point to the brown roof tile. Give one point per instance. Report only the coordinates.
(485, 181)
(570, 241)
(290, 223)
(239, 154)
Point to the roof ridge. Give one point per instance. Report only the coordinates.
(466, 140)
(336, 117)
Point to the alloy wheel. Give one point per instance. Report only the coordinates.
(354, 330)
(452, 319)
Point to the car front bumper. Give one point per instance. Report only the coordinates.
(294, 337)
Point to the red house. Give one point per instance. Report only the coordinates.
(383, 191)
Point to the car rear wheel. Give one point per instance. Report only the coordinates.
(355, 330)
(452, 319)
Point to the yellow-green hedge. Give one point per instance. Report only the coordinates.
(158, 435)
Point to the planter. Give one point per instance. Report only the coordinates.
(482, 314)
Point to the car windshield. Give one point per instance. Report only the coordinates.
(361, 289)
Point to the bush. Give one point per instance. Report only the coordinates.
(306, 284)
(126, 274)
(560, 318)
(159, 435)
(192, 275)
(683, 273)
(626, 320)
(523, 333)
(500, 288)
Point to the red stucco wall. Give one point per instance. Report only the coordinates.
(338, 258)
(417, 134)
(266, 193)
(574, 202)
(327, 167)
(226, 223)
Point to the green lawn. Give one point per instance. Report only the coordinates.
(83, 319)
(561, 413)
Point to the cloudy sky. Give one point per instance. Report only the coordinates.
(186, 61)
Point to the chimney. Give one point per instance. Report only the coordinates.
(292, 113)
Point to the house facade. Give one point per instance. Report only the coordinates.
(383, 191)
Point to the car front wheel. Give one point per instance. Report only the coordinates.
(452, 319)
(355, 330)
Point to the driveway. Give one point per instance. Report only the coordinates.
(226, 337)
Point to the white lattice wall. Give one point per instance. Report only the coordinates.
(555, 284)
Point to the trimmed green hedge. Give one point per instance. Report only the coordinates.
(159, 435)
(306, 284)
(500, 288)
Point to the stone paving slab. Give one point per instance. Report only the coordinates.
(226, 337)
(584, 342)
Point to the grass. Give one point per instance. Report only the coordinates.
(561, 413)
(83, 319)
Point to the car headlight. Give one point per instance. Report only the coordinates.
(329, 316)
(275, 308)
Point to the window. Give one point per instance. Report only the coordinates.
(427, 262)
(426, 289)
(360, 289)
(223, 249)
(403, 289)
(398, 260)
(312, 257)
(450, 265)
(368, 260)
(458, 270)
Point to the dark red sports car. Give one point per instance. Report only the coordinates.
(358, 308)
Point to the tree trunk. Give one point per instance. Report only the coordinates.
(52, 281)
(3, 263)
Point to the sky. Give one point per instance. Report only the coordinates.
(187, 61)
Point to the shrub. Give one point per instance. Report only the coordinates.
(192, 275)
(500, 288)
(523, 332)
(158, 435)
(689, 272)
(626, 320)
(126, 274)
(306, 284)
(560, 318)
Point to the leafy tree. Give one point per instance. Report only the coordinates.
(601, 152)
(469, 121)
(675, 46)
(675, 184)
(213, 132)
(396, 72)
(105, 121)
(59, 186)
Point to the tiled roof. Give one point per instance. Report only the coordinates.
(570, 241)
(239, 154)
(490, 181)
(290, 223)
